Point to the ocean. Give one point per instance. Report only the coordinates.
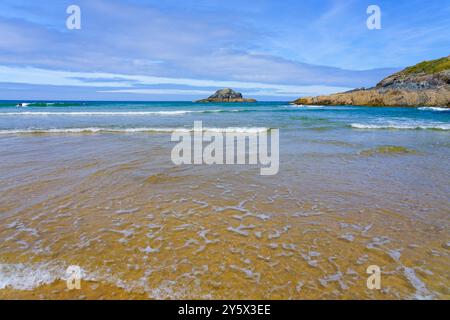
(92, 184)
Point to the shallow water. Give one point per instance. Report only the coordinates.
(92, 184)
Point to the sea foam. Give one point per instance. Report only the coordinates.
(20, 276)
(115, 113)
(402, 126)
(434, 109)
(100, 113)
(422, 292)
(129, 130)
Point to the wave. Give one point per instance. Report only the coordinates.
(319, 107)
(283, 109)
(301, 106)
(98, 113)
(434, 109)
(129, 130)
(225, 111)
(402, 126)
(238, 129)
(18, 103)
(27, 277)
(113, 113)
(52, 104)
(20, 276)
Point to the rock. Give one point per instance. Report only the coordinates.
(425, 84)
(226, 95)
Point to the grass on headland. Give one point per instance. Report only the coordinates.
(430, 67)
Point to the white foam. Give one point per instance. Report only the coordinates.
(100, 113)
(149, 250)
(301, 106)
(378, 242)
(241, 229)
(347, 236)
(236, 130)
(111, 113)
(130, 130)
(402, 126)
(20, 276)
(127, 211)
(422, 293)
(309, 107)
(395, 254)
(84, 130)
(249, 274)
(334, 278)
(434, 109)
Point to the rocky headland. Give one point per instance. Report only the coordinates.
(226, 95)
(425, 84)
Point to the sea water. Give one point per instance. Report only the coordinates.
(92, 184)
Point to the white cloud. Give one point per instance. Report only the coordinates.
(127, 83)
(167, 43)
(159, 91)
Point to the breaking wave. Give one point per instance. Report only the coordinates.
(403, 126)
(114, 113)
(98, 113)
(434, 109)
(129, 130)
(27, 277)
(44, 104)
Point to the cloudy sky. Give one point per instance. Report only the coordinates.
(184, 50)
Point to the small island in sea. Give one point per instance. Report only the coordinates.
(226, 95)
(424, 84)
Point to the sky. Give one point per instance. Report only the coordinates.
(186, 50)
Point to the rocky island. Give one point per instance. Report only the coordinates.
(226, 95)
(425, 84)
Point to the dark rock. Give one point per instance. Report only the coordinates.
(226, 95)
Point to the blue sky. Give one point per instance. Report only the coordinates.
(184, 50)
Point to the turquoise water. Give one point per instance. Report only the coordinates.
(148, 116)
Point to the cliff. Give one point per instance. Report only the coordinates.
(425, 84)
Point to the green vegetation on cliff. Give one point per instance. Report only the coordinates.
(429, 67)
(424, 84)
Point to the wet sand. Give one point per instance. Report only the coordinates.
(143, 228)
